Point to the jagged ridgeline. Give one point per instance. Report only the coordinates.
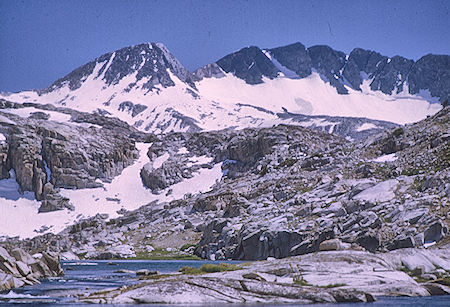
(153, 61)
(147, 87)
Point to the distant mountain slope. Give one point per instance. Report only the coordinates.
(146, 86)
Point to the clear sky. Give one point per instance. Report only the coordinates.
(41, 41)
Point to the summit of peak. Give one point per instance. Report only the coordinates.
(149, 61)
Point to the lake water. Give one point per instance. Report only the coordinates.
(90, 276)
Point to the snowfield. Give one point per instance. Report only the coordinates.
(219, 103)
(19, 213)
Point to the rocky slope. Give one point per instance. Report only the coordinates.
(284, 191)
(73, 150)
(256, 156)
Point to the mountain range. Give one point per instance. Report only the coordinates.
(146, 86)
(264, 154)
(82, 131)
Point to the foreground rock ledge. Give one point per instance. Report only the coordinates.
(223, 289)
(324, 277)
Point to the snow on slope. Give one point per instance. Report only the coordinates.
(218, 103)
(366, 126)
(312, 96)
(19, 213)
(286, 72)
(160, 103)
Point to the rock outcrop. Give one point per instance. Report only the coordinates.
(18, 268)
(376, 205)
(46, 155)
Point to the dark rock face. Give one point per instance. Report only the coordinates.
(388, 75)
(74, 79)
(392, 75)
(135, 109)
(25, 158)
(149, 60)
(295, 57)
(369, 241)
(361, 60)
(402, 242)
(255, 244)
(329, 63)
(75, 162)
(391, 144)
(39, 115)
(249, 64)
(435, 232)
(52, 200)
(431, 72)
(4, 174)
(162, 177)
(262, 244)
(247, 150)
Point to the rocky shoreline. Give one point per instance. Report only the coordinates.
(323, 277)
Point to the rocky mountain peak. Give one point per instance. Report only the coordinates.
(329, 63)
(149, 61)
(249, 64)
(294, 57)
(431, 72)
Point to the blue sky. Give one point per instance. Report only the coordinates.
(42, 41)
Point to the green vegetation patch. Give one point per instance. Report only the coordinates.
(410, 172)
(163, 254)
(397, 132)
(299, 280)
(187, 246)
(209, 268)
(333, 285)
(444, 281)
